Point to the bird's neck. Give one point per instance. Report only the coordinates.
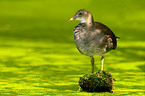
(90, 22)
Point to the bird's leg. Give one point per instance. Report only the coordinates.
(102, 61)
(92, 62)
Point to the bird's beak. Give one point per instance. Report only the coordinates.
(73, 18)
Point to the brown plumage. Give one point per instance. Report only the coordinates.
(92, 38)
(107, 32)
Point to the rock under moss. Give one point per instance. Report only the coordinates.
(102, 81)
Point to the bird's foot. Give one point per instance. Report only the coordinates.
(92, 73)
(80, 89)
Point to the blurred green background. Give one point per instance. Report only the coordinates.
(38, 54)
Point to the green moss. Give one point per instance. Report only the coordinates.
(100, 82)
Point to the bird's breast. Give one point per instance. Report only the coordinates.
(88, 46)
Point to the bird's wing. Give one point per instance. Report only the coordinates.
(109, 34)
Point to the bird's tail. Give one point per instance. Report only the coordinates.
(117, 38)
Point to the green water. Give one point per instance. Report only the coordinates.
(38, 55)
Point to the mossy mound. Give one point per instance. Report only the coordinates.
(102, 81)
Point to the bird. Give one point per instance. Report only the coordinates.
(92, 38)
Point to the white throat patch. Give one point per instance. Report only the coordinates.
(81, 19)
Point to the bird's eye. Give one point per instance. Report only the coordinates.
(80, 13)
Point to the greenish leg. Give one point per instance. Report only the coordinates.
(80, 89)
(92, 62)
(102, 61)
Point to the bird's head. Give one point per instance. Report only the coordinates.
(83, 15)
